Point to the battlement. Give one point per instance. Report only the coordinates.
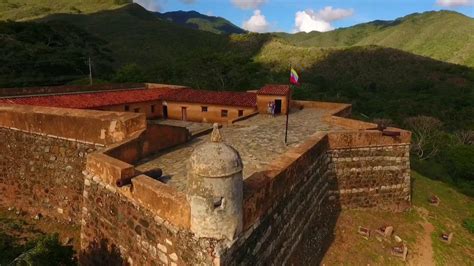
(89, 168)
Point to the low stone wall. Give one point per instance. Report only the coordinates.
(6, 92)
(154, 139)
(85, 125)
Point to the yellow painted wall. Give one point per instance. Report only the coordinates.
(262, 103)
(213, 114)
(144, 107)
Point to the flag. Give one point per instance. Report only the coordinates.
(294, 77)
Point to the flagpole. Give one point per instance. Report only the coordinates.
(287, 110)
(287, 115)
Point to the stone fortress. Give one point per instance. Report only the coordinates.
(148, 178)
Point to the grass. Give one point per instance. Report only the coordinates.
(351, 249)
(454, 208)
(19, 232)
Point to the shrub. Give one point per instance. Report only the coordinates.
(130, 73)
(469, 224)
(460, 161)
(47, 250)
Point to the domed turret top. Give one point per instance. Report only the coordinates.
(215, 158)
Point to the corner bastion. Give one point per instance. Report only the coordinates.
(65, 164)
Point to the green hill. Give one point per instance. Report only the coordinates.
(196, 20)
(31, 9)
(136, 35)
(442, 35)
(51, 53)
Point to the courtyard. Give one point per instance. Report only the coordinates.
(258, 139)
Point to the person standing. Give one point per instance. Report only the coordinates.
(273, 108)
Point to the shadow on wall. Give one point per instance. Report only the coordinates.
(321, 232)
(101, 253)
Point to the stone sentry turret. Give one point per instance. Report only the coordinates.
(215, 189)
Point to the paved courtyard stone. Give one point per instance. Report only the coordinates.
(259, 140)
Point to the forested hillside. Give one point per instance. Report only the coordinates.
(442, 35)
(48, 53)
(195, 20)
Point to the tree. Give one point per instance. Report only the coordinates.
(461, 161)
(130, 73)
(426, 135)
(465, 137)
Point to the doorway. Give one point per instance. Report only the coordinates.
(165, 112)
(277, 106)
(184, 115)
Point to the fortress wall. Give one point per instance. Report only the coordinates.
(371, 170)
(41, 174)
(294, 205)
(290, 200)
(126, 225)
(44, 152)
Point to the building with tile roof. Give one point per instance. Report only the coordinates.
(161, 101)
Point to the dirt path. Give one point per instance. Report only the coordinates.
(424, 255)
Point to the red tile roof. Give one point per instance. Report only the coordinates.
(92, 100)
(273, 89)
(101, 99)
(242, 99)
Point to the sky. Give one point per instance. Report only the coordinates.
(306, 15)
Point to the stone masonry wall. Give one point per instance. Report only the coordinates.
(309, 192)
(370, 177)
(41, 174)
(126, 232)
(306, 208)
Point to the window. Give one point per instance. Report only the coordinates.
(136, 110)
(204, 109)
(241, 113)
(152, 108)
(127, 108)
(224, 113)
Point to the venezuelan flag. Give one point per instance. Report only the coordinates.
(294, 77)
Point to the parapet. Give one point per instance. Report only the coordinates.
(83, 125)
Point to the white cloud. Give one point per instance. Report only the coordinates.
(454, 3)
(151, 5)
(257, 23)
(248, 4)
(309, 20)
(330, 14)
